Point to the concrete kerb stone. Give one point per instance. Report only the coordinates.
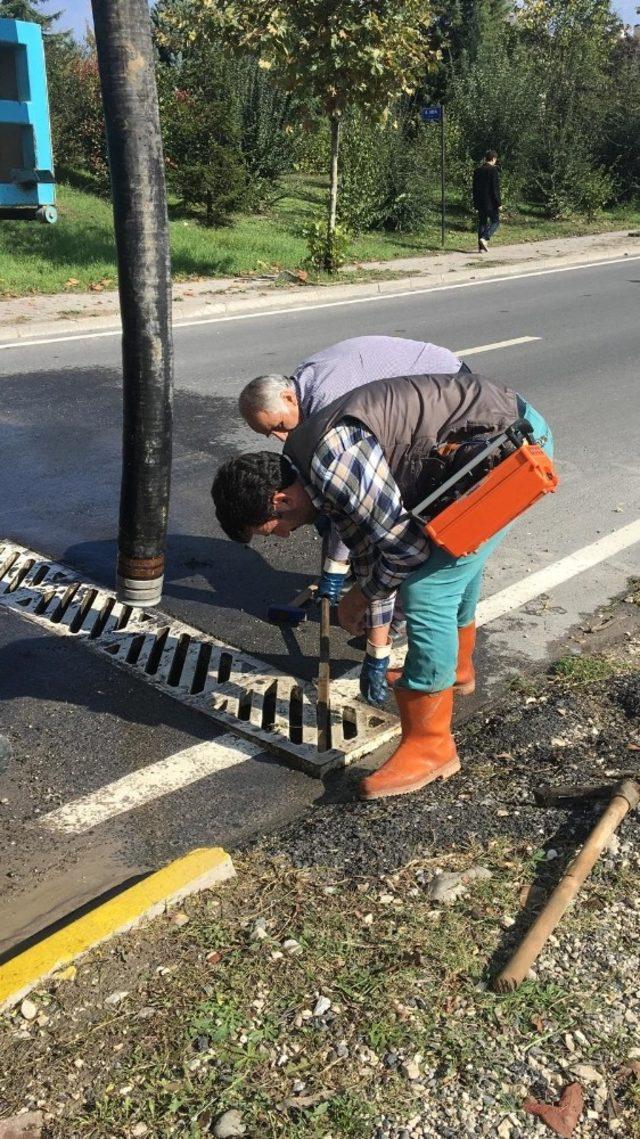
(441, 269)
(199, 870)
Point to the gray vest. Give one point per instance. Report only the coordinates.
(410, 416)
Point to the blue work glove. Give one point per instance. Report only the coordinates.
(332, 581)
(373, 679)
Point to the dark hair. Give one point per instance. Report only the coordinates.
(490, 155)
(243, 488)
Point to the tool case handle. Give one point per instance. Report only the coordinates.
(518, 433)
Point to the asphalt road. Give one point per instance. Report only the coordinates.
(60, 442)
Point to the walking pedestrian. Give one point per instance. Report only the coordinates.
(487, 199)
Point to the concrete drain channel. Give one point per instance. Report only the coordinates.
(234, 689)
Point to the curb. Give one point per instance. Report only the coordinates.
(199, 870)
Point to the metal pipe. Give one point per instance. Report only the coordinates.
(126, 63)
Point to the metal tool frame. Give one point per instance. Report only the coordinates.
(519, 432)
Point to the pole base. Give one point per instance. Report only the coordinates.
(139, 593)
(139, 581)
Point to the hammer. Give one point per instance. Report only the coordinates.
(294, 613)
(622, 798)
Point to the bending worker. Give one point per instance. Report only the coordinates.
(274, 405)
(361, 462)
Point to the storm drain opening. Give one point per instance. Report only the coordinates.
(238, 691)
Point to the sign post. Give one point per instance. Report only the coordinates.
(435, 114)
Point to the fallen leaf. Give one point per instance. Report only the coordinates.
(537, 1023)
(71, 282)
(96, 288)
(213, 958)
(562, 1117)
(633, 747)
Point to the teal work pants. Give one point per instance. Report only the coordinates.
(442, 597)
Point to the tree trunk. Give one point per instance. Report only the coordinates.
(333, 188)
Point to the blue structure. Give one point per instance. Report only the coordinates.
(27, 184)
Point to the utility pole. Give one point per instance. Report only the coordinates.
(130, 100)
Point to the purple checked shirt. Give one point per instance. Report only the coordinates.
(339, 369)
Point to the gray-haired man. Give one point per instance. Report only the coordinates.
(273, 405)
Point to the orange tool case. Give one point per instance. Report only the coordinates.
(513, 484)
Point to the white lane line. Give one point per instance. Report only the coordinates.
(517, 595)
(257, 314)
(140, 787)
(497, 344)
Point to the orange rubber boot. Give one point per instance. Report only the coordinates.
(465, 672)
(426, 751)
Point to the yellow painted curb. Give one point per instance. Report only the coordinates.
(196, 871)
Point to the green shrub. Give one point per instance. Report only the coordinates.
(326, 253)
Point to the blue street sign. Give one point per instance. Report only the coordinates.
(431, 114)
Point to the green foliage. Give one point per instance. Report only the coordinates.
(201, 132)
(328, 248)
(77, 118)
(266, 138)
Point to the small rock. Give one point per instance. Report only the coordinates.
(178, 919)
(411, 1070)
(29, 1125)
(292, 946)
(229, 1125)
(116, 998)
(449, 885)
(259, 930)
(504, 1130)
(551, 854)
(28, 1010)
(507, 922)
(68, 974)
(139, 1129)
(323, 1004)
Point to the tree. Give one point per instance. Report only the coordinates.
(569, 44)
(27, 10)
(332, 54)
(200, 120)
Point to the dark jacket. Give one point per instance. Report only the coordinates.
(409, 416)
(486, 189)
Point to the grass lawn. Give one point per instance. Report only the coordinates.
(79, 251)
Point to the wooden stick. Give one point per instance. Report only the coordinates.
(625, 798)
(324, 677)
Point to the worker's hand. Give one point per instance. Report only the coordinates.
(352, 610)
(332, 581)
(373, 678)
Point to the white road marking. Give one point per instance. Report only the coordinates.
(518, 594)
(498, 344)
(148, 783)
(335, 304)
(227, 751)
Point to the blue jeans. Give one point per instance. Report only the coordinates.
(487, 224)
(442, 596)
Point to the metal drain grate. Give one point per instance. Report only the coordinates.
(233, 688)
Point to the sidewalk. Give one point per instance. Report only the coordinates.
(69, 313)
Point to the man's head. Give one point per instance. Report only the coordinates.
(260, 493)
(491, 157)
(270, 406)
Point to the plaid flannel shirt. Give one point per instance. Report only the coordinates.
(351, 482)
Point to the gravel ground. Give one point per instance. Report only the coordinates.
(559, 735)
(326, 994)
